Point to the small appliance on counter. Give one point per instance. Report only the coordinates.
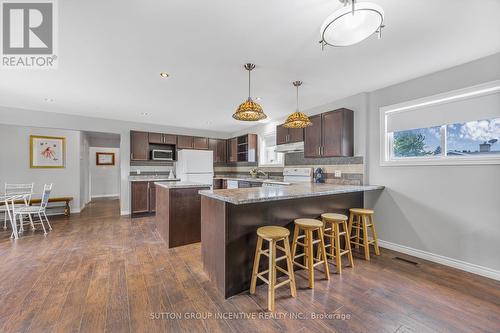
(171, 175)
(319, 176)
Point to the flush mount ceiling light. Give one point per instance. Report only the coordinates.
(297, 119)
(352, 23)
(164, 75)
(249, 110)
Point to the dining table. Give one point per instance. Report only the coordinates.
(8, 200)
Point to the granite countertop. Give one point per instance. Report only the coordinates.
(263, 194)
(175, 185)
(145, 178)
(255, 180)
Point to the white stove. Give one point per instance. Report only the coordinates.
(298, 175)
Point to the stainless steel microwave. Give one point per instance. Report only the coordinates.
(162, 155)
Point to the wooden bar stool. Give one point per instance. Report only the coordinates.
(361, 219)
(273, 235)
(332, 231)
(309, 226)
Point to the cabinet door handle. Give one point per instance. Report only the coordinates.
(319, 150)
(131, 156)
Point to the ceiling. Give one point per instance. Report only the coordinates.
(111, 53)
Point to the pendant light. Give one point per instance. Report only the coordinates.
(249, 110)
(352, 24)
(297, 119)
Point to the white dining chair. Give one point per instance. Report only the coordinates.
(17, 189)
(31, 211)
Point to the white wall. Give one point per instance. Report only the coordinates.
(104, 179)
(449, 211)
(14, 116)
(84, 170)
(15, 162)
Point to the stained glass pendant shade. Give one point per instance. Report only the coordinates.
(297, 119)
(249, 110)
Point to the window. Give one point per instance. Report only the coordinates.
(268, 155)
(474, 138)
(417, 142)
(460, 127)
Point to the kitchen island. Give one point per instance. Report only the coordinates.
(230, 219)
(178, 216)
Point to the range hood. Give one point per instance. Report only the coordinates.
(290, 147)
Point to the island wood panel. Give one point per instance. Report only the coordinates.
(228, 252)
(162, 218)
(213, 240)
(180, 210)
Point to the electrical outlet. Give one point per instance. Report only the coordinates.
(337, 173)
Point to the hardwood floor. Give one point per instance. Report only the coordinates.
(97, 271)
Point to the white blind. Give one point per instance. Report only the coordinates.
(456, 111)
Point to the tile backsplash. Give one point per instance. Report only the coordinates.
(351, 168)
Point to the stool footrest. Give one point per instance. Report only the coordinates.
(300, 265)
(282, 283)
(282, 270)
(299, 255)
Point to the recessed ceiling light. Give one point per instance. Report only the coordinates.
(258, 98)
(48, 99)
(164, 75)
(144, 113)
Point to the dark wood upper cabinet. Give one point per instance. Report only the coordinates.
(252, 149)
(169, 139)
(219, 147)
(295, 135)
(185, 142)
(160, 138)
(312, 138)
(139, 146)
(233, 149)
(288, 135)
(331, 128)
(200, 143)
(155, 138)
(331, 135)
(281, 135)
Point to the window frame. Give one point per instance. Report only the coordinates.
(386, 139)
(262, 151)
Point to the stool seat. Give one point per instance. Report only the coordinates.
(334, 217)
(273, 232)
(362, 211)
(309, 223)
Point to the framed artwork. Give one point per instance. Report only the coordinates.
(105, 158)
(47, 152)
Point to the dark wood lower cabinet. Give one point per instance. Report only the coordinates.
(143, 197)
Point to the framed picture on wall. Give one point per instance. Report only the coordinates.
(104, 158)
(47, 152)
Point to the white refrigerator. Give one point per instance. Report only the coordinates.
(195, 166)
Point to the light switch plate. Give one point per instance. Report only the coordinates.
(337, 173)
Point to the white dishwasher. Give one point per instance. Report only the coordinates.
(232, 184)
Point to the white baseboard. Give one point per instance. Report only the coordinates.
(459, 264)
(105, 196)
(125, 212)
